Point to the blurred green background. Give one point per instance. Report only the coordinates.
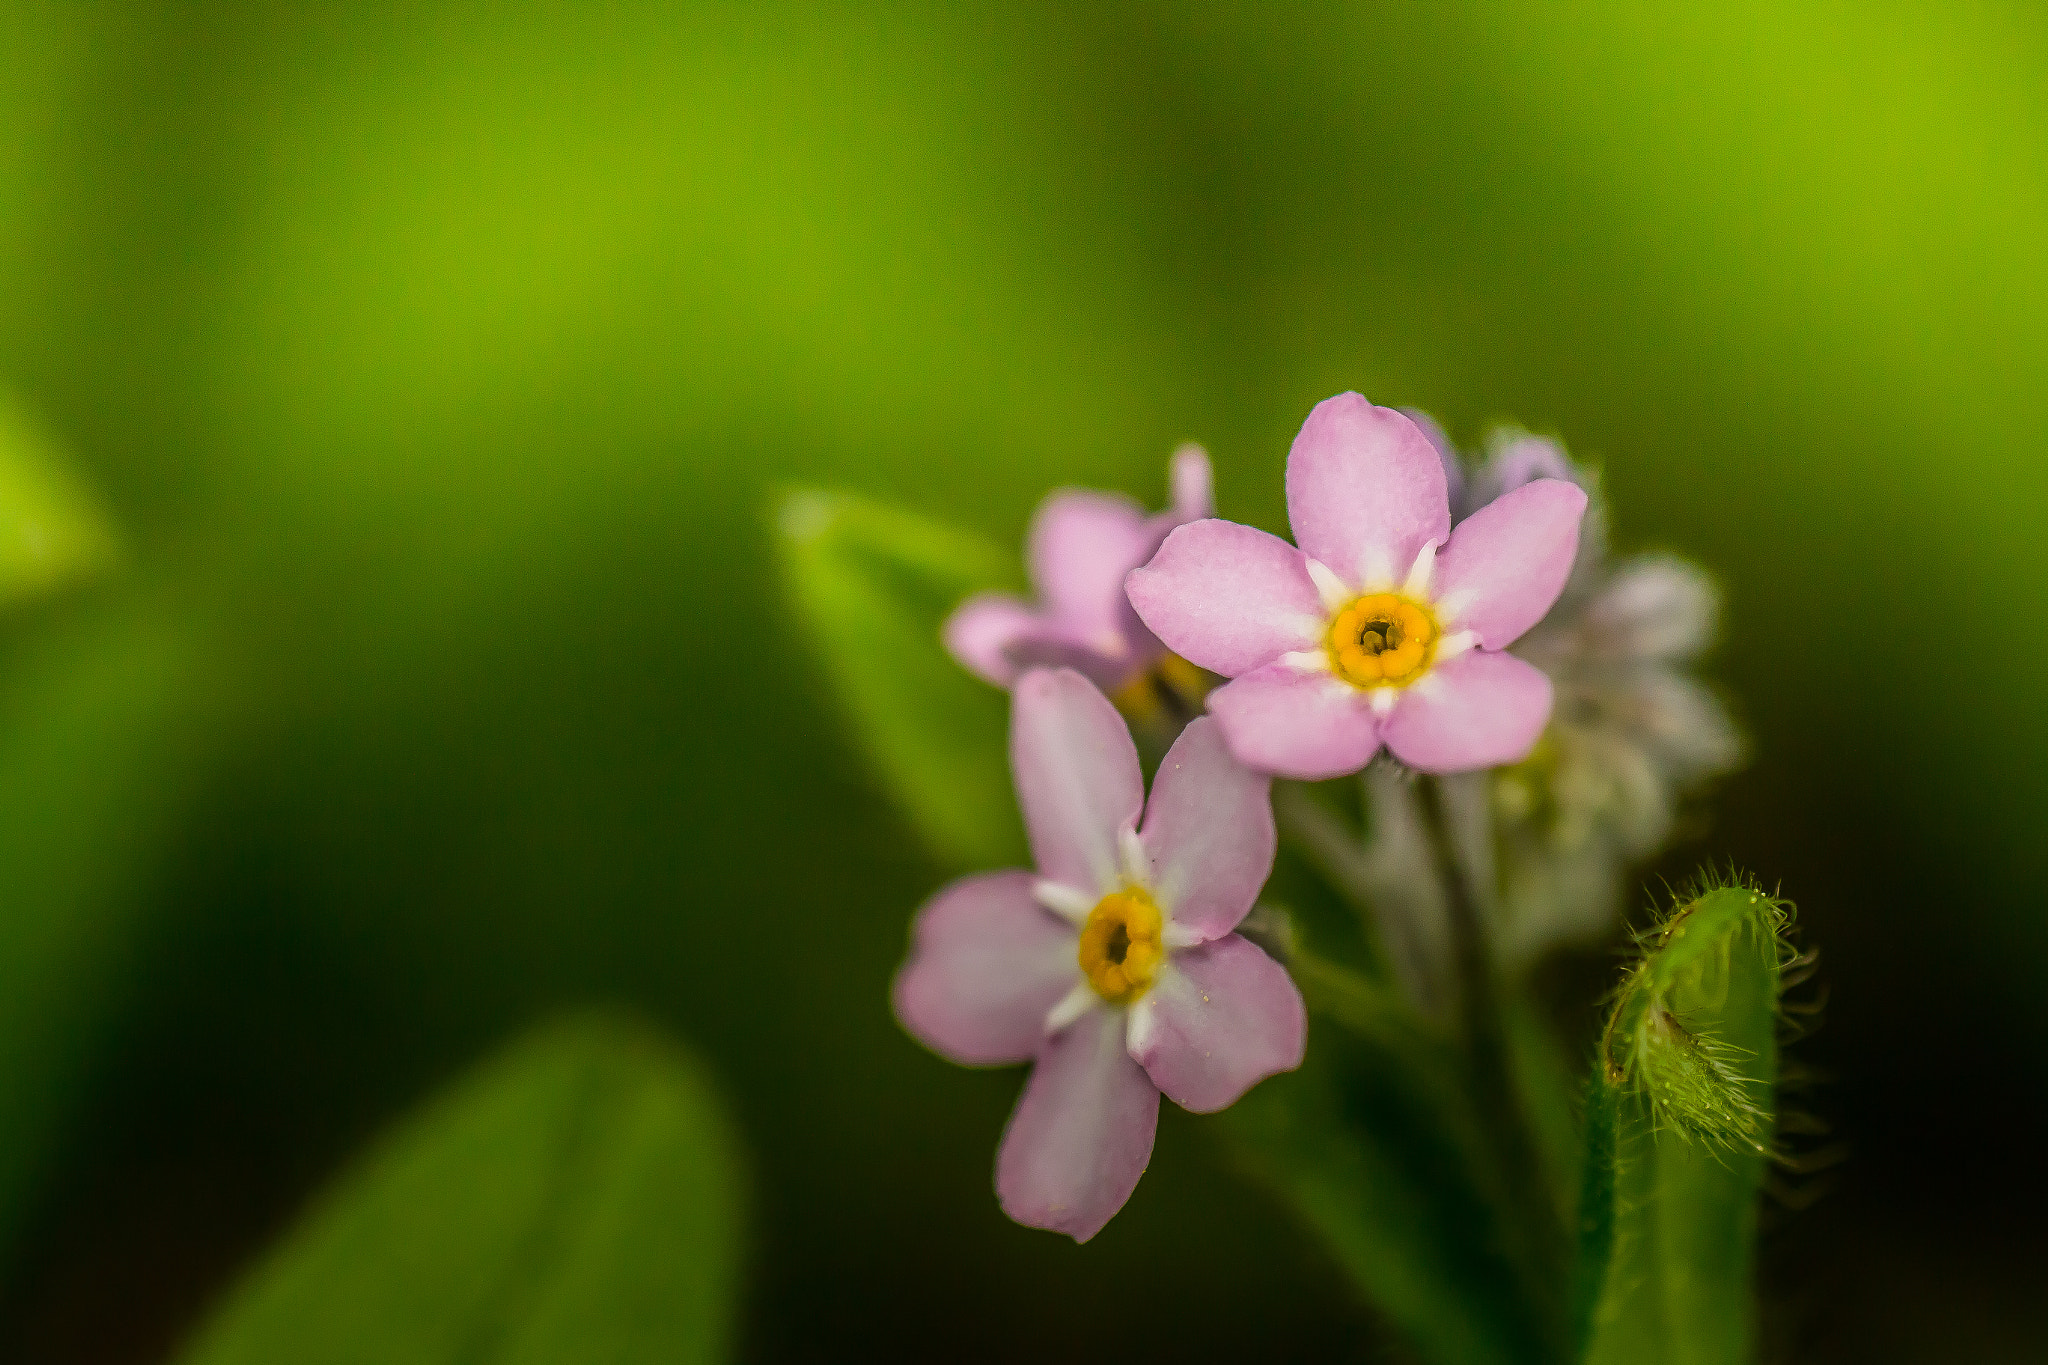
(435, 362)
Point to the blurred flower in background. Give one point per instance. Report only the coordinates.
(1632, 734)
(1081, 546)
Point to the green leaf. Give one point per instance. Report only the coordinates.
(51, 533)
(1679, 1126)
(1547, 1086)
(102, 719)
(1372, 1142)
(576, 1202)
(1596, 1208)
(872, 587)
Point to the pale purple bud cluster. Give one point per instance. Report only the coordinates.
(1631, 734)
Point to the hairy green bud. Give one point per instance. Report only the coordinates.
(1680, 1127)
(1659, 1043)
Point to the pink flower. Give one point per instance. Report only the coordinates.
(1115, 967)
(1081, 546)
(1385, 626)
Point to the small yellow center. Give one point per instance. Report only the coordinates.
(1172, 684)
(1382, 640)
(1121, 945)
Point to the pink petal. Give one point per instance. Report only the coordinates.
(1080, 547)
(1193, 500)
(1228, 598)
(1654, 607)
(1045, 644)
(1365, 489)
(1446, 454)
(1508, 561)
(981, 630)
(1082, 1133)
(1220, 1019)
(1294, 724)
(1516, 459)
(1193, 485)
(987, 963)
(1479, 710)
(1208, 832)
(1077, 777)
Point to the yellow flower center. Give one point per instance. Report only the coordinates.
(1122, 945)
(1382, 640)
(1172, 683)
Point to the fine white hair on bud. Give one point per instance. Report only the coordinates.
(1665, 1039)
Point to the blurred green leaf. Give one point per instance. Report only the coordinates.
(576, 1202)
(872, 587)
(1547, 1088)
(1372, 1143)
(51, 532)
(1677, 1148)
(98, 730)
(1595, 1231)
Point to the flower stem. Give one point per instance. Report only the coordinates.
(1536, 1236)
(1328, 842)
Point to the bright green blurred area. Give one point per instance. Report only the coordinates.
(437, 362)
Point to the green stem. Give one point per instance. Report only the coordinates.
(1532, 1225)
(1327, 841)
(1596, 1209)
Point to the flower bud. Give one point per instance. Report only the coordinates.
(1691, 1028)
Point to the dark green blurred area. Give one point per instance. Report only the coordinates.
(437, 362)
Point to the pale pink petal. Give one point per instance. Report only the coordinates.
(1208, 832)
(1365, 489)
(1220, 1019)
(1141, 650)
(1192, 500)
(1082, 1132)
(987, 962)
(1514, 459)
(1507, 562)
(981, 630)
(1193, 485)
(1227, 597)
(1678, 720)
(1654, 607)
(1081, 545)
(998, 637)
(1479, 710)
(1446, 454)
(1294, 724)
(1077, 777)
(1049, 645)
